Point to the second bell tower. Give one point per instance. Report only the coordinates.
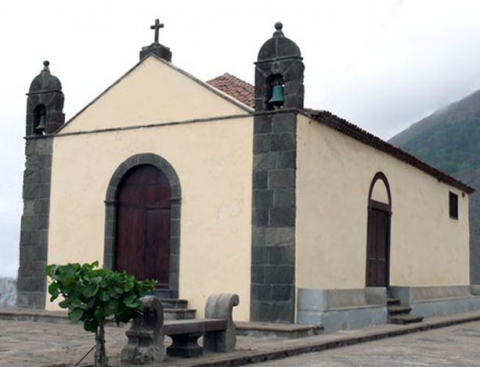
(279, 95)
(44, 117)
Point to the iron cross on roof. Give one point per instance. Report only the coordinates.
(157, 27)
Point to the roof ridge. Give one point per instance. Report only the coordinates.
(234, 87)
(235, 78)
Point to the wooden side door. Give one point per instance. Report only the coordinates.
(143, 225)
(378, 248)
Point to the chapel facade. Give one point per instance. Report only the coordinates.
(222, 187)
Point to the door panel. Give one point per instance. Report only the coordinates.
(378, 238)
(157, 263)
(143, 225)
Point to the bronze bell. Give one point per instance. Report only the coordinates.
(41, 125)
(277, 99)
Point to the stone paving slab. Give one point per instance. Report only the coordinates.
(454, 346)
(41, 344)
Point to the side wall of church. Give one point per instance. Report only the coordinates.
(213, 161)
(334, 173)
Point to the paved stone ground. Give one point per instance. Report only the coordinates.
(28, 343)
(42, 344)
(25, 343)
(457, 346)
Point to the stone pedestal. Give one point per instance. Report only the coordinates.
(145, 337)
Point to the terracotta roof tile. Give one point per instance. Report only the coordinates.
(365, 137)
(236, 88)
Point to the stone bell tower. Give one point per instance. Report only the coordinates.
(44, 117)
(45, 104)
(279, 94)
(279, 62)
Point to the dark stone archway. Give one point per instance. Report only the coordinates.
(380, 176)
(111, 211)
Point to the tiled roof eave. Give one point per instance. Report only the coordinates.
(367, 138)
(244, 92)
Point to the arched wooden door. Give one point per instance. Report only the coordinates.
(378, 236)
(143, 225)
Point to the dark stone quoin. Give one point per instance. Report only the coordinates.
(44, 117)
(274, 175)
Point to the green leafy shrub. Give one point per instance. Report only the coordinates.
(96, 295)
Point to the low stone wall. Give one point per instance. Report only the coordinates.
(8, 293)
(432, 301)
(342, 309)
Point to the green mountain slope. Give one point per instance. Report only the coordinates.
(449, 139)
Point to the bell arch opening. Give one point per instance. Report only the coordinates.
(39, 119)
(275, 88)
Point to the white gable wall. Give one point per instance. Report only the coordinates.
(213, 161)
(153, 92)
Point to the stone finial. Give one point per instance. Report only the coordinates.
(220, 306)
(45, 82)
(278, 30)
(156, 48)
(145, 336)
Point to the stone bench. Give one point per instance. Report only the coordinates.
(185, 333)
(146, 334)
(438, 300)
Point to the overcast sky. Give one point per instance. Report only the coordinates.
(381, 64)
